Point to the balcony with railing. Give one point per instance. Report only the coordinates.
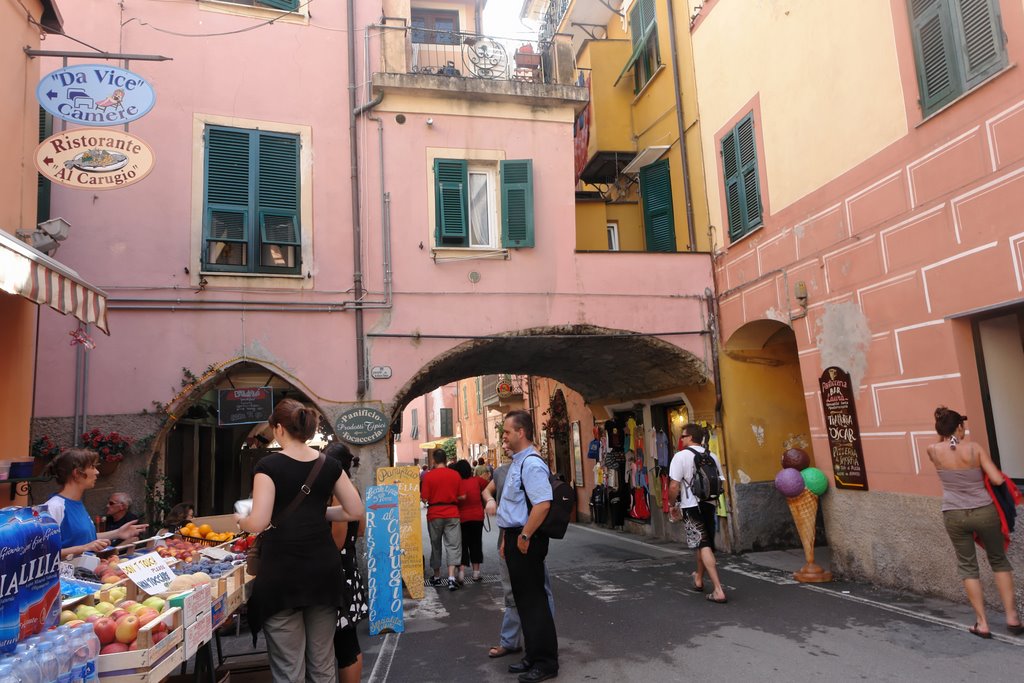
(476, 64)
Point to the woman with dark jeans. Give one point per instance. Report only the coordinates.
(471, 518)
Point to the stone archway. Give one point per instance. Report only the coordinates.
(192, 405)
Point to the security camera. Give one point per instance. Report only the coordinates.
(57, 228)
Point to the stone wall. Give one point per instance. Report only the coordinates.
(898, 541)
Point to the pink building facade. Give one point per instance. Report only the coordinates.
(339, 291)
(892, 250)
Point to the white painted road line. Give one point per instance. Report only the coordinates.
(619, 537)
(382, 667)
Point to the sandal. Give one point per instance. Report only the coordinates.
(974, 630)
(711, 598)
(694, 586)
(1015, 629)
(501, 651)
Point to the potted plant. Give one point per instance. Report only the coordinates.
(111, 447)
(526, 58)
(43, 451)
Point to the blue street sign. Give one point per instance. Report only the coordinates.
(96, 95)
(384, 560)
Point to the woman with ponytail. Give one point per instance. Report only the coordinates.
(969, 513)
(296, 594)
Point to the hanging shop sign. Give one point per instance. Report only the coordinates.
(384, 560)
(94, 159)
(244, 406)
(96, 95)
(843, 430)
(361, 426)
(407, 479)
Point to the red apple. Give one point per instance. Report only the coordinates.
(158, 635)
(127, 629)
(134, 645)
(113, 648)
(93, 618)
(105, 629)
(117, 614)
(146, 615)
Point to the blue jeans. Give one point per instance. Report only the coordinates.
(511, 626)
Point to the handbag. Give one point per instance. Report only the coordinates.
(252, 555)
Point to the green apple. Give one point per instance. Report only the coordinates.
(66, 616)
(85, 611)
(104, 608)
(118, 593)
(155, 602)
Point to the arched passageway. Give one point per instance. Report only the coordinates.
(765, 412)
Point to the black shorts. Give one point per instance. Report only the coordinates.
(346, 646)
(706, 514)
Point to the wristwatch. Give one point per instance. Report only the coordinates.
(524, 537)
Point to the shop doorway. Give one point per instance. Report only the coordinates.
(999, 344)
(208, 460)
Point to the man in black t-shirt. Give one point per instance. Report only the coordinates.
(118, 512)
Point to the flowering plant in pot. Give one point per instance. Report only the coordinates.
(111, 447)
(43, 451)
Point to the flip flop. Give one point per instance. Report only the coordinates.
(693, 585)
(501, 651)
(981, 634)
(711, 598)
(1015, 629)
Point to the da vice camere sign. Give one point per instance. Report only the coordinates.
(95, 95)
(94, 159)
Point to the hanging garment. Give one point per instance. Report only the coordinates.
(661, 446)
(665, 505)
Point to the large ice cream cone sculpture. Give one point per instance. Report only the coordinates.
(804, 509)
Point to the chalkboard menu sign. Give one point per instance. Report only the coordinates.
(843, 431)
(244, 406)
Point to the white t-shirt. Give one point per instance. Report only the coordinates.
(681, 470)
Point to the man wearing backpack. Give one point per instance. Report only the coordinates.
(694, 484)
(525, 500)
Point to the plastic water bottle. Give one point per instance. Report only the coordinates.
(63, 651)
(25, 666)
(7, 674)
(87, 652)
(45, 658)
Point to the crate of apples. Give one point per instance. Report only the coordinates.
(204, 532)
(118, 625)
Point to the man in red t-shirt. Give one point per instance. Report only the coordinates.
(440, 489)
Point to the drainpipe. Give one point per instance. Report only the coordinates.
(691, 230)
(713, 313)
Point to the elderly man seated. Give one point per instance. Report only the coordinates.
(118, 512)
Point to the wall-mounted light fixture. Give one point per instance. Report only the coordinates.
(800, 294)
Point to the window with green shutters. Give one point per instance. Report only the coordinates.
(447, 427)
(656, 195)
(643, 30)
(957, 45)
(288, 5)
(742, 185)
(465, 212)
(251, 203)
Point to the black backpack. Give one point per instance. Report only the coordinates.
(563, 502)
(706, 484)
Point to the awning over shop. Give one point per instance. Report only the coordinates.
(430, 445)
(34, 275)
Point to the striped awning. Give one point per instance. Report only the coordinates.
(34, 275)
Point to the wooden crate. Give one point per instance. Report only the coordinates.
(148, 656)
(154, 674)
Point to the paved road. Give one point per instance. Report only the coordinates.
(623, 614)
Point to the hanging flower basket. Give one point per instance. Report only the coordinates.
(111, 448)
(107, 468)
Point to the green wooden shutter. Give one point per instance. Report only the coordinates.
(935, 53)
(291, 5)
(656, 194)
(733, 186)
(747, 147)
(648, 15)
(228, 194)
(981, 31)
(277, 190)
(636, 27)
(517, 203)
(451, 202)
(43, 185)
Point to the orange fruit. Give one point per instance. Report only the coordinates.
(205, 530)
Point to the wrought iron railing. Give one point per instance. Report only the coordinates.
(470, 55)
(552, 18)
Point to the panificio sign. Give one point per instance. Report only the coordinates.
(94, 159)
(95, 95)
(361, 426)
(384, 560)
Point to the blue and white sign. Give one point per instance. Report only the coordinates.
(384, 560)
(96, 95)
